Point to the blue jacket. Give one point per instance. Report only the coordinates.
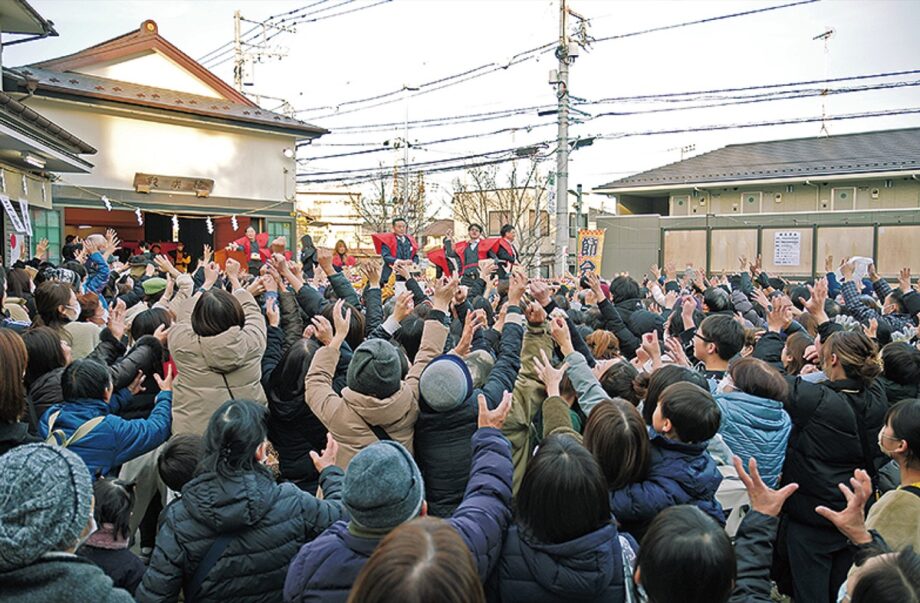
(115, 440)
(756, 427)
(97, 276)
(680, 474)
(326, 569)
(589, 568)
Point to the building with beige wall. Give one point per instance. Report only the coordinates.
(847, 195)
(173, 139)
(329, 215)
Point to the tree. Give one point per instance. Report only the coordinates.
(483, 196)
(386, 201)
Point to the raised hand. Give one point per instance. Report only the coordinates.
(551, 377)
(165, 383)
(444, 290)
(41, 248)
(475, 320)
(324, 259)
(136, 386)
(232, 268)
(272, 313)
(815, 304)
(341, 318)
(322, 329)
(655, 271)
(652, 348)
(116, 323)
(872, 330)
(162, 334)
(904, 279)
(211, 272)
(675, 350)
(540, 291)
(206, 254)
(535, 313)
(764, 499)
(494, 418)
(328, 456)
(559, 329)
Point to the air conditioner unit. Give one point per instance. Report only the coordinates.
(874, 193)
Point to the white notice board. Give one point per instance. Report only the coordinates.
(787, 248)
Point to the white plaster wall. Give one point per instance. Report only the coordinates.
(151, 69)
(243, 164)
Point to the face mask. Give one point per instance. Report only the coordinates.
(882, 446)
(72, 312)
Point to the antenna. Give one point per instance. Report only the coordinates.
(827, 35)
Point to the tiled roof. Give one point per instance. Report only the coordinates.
(78, 84)
(861, 153)
(45, 126)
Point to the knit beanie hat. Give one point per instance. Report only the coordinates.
(375, 369)
(383, 486)
(445, 383)
(480, 363)
(45, 502)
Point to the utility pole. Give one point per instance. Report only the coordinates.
(237, 53)
(562, 150)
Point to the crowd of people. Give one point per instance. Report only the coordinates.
(333, 429)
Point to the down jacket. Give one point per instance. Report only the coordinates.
(589, 568)
(679, 474)
(835, 427)
(270, 521)
(115, 440)
(212, 370)
(756, 427)
(325, 569)
(442, 439)
(349, 417)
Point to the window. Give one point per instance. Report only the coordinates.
(497, 219)
(544, 222)
(46, 224)
(279, 229)
(573, 228)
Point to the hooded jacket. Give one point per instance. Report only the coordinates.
(212, 370)
(679, 474)
(59, 577)
(325, 569)
(270, 523)
(349, 417)
(588, 568)
(756, 427)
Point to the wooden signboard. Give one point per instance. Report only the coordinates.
(145, 183)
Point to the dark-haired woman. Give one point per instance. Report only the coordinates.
(563, 545)
(217, 344)
(234, 507)
(901, 376)
(835, 426)
(13, 362)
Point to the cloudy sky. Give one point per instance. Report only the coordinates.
(377, 49)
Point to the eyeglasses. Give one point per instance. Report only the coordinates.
(706, 339)
(887, 437)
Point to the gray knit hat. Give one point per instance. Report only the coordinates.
(446, 383)
(375, 369)
(45, 502)
(383, 487)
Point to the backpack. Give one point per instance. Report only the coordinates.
(58, 437)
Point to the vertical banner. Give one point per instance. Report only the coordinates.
(590, 249)
(26, 218)
(11, 213)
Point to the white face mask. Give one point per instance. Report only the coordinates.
(72, 312)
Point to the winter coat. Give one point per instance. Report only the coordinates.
(442, 439)
(212, 370)
(83, 338)
(835, 427)
(115, 440)
(894, 516)
(755, 427)
(526, 398)
(588, 568)
(59, 577)
(349, 417)
(754, 555)
(895, 392)
(325, 569)
(17, 309)
(679, 474)
(587, 388)
(293, 429)
(15, 434)
(270, 523)
(121, 565)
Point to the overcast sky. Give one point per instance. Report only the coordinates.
(407, 42)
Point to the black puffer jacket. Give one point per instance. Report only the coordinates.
(270, 521)
(442, 439)
(896, 392)
(835, 427)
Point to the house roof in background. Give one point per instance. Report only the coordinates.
(859, 154)
(18, 17)
(44, 126)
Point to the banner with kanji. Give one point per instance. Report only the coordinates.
(590, 249)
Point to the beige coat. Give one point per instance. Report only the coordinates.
(84, 337)
(349, 417)
(896, 516)
(215, 369)
(16, 306)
